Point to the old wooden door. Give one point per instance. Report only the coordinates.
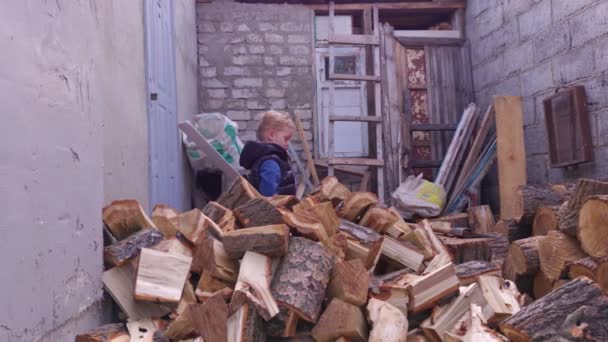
(163, 134)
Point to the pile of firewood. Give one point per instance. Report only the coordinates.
(338, 265)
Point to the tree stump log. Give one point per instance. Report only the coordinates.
(304, 224)
(523, 282)
(258, 212)
(568, 213)
(545, 220)
(524, 254)
(245, 325)
(125, 217)
(602, 275)
(555, 252)
(530, 197)
(282, 325)
(513, 230)
(542, 285)
(481, 219)
(302, 277)
(592, 229)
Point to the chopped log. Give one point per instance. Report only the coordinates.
(194, 225)
(475, 329)
(400, 229)
(524, 282)
(337, 245)
(388, 323)
(271, 241)
(379, 218)
(349, 282)
(542, 319)
(211, 256)
(305, 204)
(499, 245)
(602, 275)
(568, 212)
(481, 219)
(545, 220)
(303, 224)
(284, 201)
(501, 297)
(555, 252)
(436, 243)
(513, 230)
(363, 243)
(456, 220)
(464, 250)
(302, 277)
(427, 290)
(326, 214)
(420, 240)
(188, 297)
(258, 212)
(592, 229)
(587, 323)
(174, 245)
(524, 255)
(395, 294)
(282, 325)
(332, 190)
(469, 272)
(239, 192)
(355, 204)
(403, 253)
(115, 332)
(181, 327)
(587, 267)
(210, 319)
(341, 319)
(161, 276)
(125, 217)
(128, 248)
(144, 330)
(530, 197)
(221, 215)
(208, 286)
(253, 286)
(245, 325)
(163, 217)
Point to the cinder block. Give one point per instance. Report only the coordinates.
(269, 61)
(489, 72)
(536, 139)
(537, 79)
(509, 87)
(599, 125)
(245, 93)
(294, 60)
(236, 71)
(589, 24)
(258, 104)
(601, 54)
(217, 93)
(552, 42)
(273, 38)
(235, 104)
(206, 27)
(275, 93)
(256, 49)
(537, 19)
(275, 50)
(529, 108)
(264, 27)
(536, 169)
(300, 50)
(239, 114)
(213, 83)
(596, 89)
(212, 104)
(278, 104)
(227, 27)
(512, 8)
(253, 38)
(243, 28)
(563, 9)
(491, 19)
(247, 60)
(248, 82)
(298, 39)
(518, 58)
(207, 71)
(283, 71)
(291, 27)
(476, 7)
(574, 65)
(303, 113)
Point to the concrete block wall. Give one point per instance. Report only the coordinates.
(255, 57)
(530, 48)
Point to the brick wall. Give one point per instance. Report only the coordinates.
(531, 47)
(255, 57)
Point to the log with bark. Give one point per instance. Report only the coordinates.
(211, 256)
(464, 250)
(379, 218)
(513, 230)
(543, 319)
(245, 325)
(530, 197)
(210, 319)
(602, 275)
(284, 324)
(592, 229)
(481, 219)
(239, 192)
(355, 204)
(332, 190)
(455, 220)
(555, 252)
(524, 255)
(302, 277)
(130, 247)
(161, 276)
(587, 323)
(524, 282)
(427, 290)
(349, 282)
(115, 332)
(585, 267)
(363, 243)
(341, 319)
(284, 201)
(195, 226)
(499, 245)
(502, 298)
(469, 272)
(163, 217)
(221, 215)
(258, 212)
(568, 212)
(181, 327)
(389, 324)
(125, 217)
(325, 213)
(271, 241)
(303, 224)
(545, 220)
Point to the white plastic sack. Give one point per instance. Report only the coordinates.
(221, 133)
(417, 196)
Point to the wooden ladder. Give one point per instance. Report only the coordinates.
(372, 40)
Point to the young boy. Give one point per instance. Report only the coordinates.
(267, 159)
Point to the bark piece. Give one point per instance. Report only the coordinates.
(194, 226)
(284, 201)
(208, 286)
(106, 333)
(258, 212)
(282, 325)
(302, 277)
(545, 220)
(337, 245)
(161, 276)
(587, 323)
(163, 217)
(363, 243)
(221, 215)
(349, 282)
(481, 219)
(592, 229)
(303, 224)
(542, 319)
(355, 204)
(530, 197)
(332, 190)
(555, 252)
(388, 323)
(403, 253)
(210, 319)
(513, 230)
(325, 213)
(253, 286)
(125, 217)
(469, 272)
(524, 255)
(568, 213)
(379, 218)
(245, 325)
(271, 241)
(464, 250)
(426, 291)
(130, 247)
(239, 192)
(211, 256)
(341, 319)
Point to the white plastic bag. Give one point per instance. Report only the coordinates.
(417, 196)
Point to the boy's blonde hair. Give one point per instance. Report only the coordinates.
(273, 120)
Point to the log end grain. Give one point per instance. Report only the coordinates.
(592, 229)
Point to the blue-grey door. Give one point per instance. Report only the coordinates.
(163, 134)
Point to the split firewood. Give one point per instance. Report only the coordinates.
(208, 286)
(469, 272)
(194, 226)
(393, 288)
(115, 332)
(282, 325)
(174, 245)
(455, 220)
(530, 197)
(349, 282)
(569, 211)
(379, 218)
(420, 240)
(555, 252)
(210, 319)
(332, 190)
(401, 228)
(388, 323)
(436, 243)
(161, 276)
(143, 330)
(363, 243)
(427, 290)
(182, 326)
(130, 247)
(474, 329)
(502, 299)
(416, 335)
(524, 282)
(163, 217)
(464, 250)
(481, 219)
(245, 325)
(592, 229)
(341, 319)
(513, 230)
(403, 253)
(545, 220)
(305, 204)
(337, 245)
(524, 255)
(188, 297)
(355, 204)
(239, 192)
(587, 323)
(499, 245)
(303, 224)
(542, 319)
(271, 241)
(284, 201)
(258, 212)
(125, 217)
(325, 213)
(302, 277)
(211, 256)
(221, 215)
(253, 286)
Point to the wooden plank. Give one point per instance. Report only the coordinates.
(511, 152)
(401, 6)
(355, 161)
(432, 127)
(378, 109)
(332, 68)
(429, 37)
(309, 159)
(353, 39)
(350, 77)
(355, 118)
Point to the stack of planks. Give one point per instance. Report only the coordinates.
(336, 265)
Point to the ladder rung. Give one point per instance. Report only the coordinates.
(349, 77)
(355, 118)
(355, 161)
(432, 127)
(354, 39)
